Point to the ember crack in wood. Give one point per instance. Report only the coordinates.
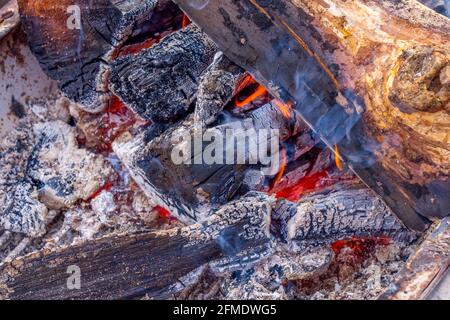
(77, 53)
(130, 266)
(160, 83)
(350, 66)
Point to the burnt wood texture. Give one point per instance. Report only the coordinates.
(74, 41)
(171, 168)
(371, 77)
(241, 232)
(129, 266)
(160, 83)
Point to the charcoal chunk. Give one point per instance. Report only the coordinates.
(22, 212)
(160, 83)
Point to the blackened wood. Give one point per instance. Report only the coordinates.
(216, 88)
(160, 83)
(346, 210)
(130, 266)
(74, 54)
(351, 68)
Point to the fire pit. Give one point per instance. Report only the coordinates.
(224, 150)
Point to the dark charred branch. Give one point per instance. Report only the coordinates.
(350, 72)
(343, 211)
(174, 171)
(75, 52)
(161, 83)
(130, 266)
(152, 263)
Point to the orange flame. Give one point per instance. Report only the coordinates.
(285, 108)
(282, 168)
(260, 91)
(185, 22)
(337, 159)
(246, 81)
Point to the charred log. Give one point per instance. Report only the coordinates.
(344, 211)
(190, 176)
(351, 71)
(160, 83)
(74, 47)
(144, 264)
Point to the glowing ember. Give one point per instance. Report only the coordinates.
(105, 187)
(185, 22)
(116, 119)
(285, 108)
(360, 247)
(282, 168)
(309, 183)
(337, 159)
(260, 91)
(244, 83)
(164, 214)
(138, 47)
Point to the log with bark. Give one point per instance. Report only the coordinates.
(372, 77)
(151, 263)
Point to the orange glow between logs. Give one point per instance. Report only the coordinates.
(337, 159)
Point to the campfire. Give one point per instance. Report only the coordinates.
(196, 149)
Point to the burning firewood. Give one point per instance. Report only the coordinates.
(74, 41)
(160, 83)
(238, 233)
(172, 170)
(369, 77)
